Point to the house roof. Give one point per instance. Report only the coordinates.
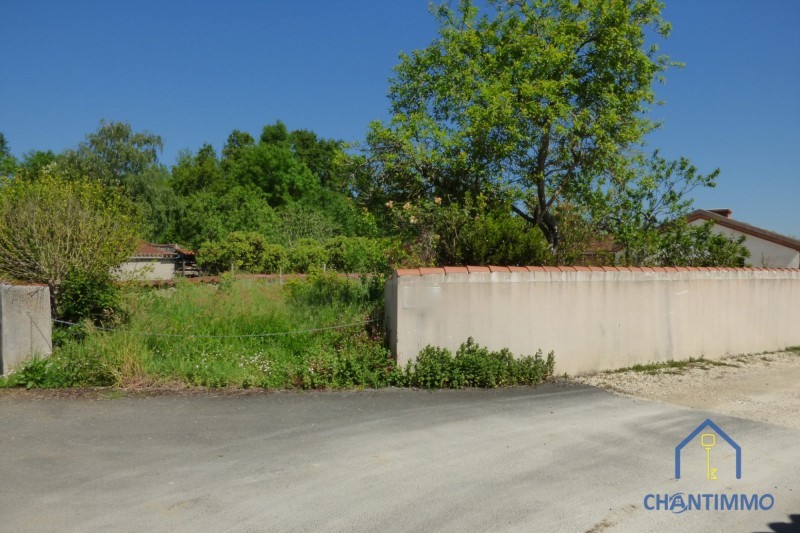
(147, 249)
(742, 227)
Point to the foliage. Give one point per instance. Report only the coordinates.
(547, 98)
(473, 233)
(90, 297)
(359, 254)
(114, 154)
(207, 216)
(307, 255)
(201, 172)
(248, 251)
(304, 221)
(274, 170)
(327, 288)
(476, 366)
(640, 209)
(252, 252)
(120, 158)
(682, 244)
(55, 227)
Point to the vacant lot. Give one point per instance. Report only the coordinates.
(762, 387)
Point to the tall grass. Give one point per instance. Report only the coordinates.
(241, 333)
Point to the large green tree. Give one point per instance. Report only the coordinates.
(115, 154)
(537, 101)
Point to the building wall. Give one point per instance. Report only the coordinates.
(763, 253)
(596, 318)
(25, 326)
(146, 269)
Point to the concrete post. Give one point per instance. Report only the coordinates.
(25, 326)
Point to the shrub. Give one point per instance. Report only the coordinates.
(53, 226)
(306, 255)
(475, 366)
(358, 254)
(239, 251)
(90, 297)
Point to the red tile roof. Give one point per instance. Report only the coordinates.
(147, 249)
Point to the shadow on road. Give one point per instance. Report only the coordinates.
(792, 526)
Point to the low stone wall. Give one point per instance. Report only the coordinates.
(595, 318)
(25, 326)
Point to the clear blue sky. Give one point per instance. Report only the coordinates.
(193, 71)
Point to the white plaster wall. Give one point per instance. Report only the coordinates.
(597, 320)
(763, 253)
(25, 326)
(146, 269)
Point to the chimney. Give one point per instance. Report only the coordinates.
(722, 212)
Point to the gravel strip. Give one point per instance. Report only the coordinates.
(761, 387)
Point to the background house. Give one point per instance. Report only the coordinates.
(767, 248)
(158, 262)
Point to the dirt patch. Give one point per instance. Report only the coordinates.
(763, 387)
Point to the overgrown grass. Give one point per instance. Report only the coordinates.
(212, 335)
(252, 333)
(673, 366)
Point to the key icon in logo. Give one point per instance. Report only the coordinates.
(708, 441)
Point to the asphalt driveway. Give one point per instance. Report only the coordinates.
(560, 457)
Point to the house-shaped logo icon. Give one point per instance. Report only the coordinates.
(708, 441)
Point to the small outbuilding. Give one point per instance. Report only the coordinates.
(158, 262)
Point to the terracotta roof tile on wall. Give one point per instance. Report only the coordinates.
(476, 269)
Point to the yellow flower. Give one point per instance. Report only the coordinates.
(413, 219)
(407, 206)
(390, 204)
(437, 200)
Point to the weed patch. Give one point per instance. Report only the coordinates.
(474, 366)
(674, 367)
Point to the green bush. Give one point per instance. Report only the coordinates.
(358, 254)
(307, 255)
(475, 366)
(239, 251)
(275, 259)
(90, 297)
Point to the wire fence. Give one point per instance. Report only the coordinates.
(241, 336)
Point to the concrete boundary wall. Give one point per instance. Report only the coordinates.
(25, 326)
(595, 318)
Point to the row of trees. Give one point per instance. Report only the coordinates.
(518, 136)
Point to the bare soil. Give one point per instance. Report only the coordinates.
(761, 387)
